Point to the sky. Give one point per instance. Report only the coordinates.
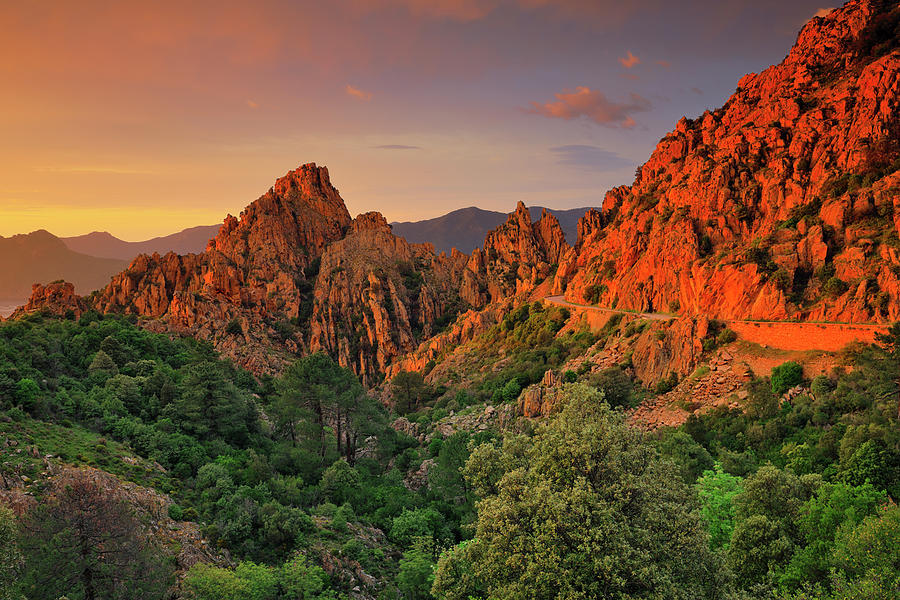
(144, 118)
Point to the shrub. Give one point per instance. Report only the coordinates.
(820, 386)
(835, 287)
(782, 279)
(593, 292)
(511, 390)
(175, 512)
(726, 336)
(615, 385)
(785, 376)
(234, 328)
(353, 549)
(666, 385)
(705, 245)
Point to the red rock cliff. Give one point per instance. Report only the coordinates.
(781, 204)
(254, 272)
(516, 256)
(377, 296)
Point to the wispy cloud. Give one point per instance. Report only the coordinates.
(397, 147)
(583, 156)
(252, 104)
(823, 12)
(664, 64)
(594, 105)
(358, 93)
(630, 60)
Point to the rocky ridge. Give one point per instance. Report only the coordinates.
(377, 296)
(784, 203)
(516, 257)
(295, 274)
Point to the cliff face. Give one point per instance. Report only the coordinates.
(377, 296)
(781, 204)
(295, 274)
(244, 290)
(516, 257)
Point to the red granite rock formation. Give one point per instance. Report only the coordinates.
(781, 204)
(253, 272)
(58, 298)
(516, 257)
(377, 296)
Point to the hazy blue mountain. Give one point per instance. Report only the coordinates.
(41, 257)
(106, 245)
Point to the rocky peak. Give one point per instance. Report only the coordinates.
(590, 222)
(370, 221)
(254, 272)
(290, 224)
(840, 36)
(759, 209)
(517, 255)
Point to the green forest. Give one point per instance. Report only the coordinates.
(305, 490)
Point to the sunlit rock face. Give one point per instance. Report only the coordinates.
(783, 203)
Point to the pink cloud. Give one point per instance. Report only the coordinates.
(664, 64)
(593, 105)
(630, 60)
(358, 93)
(823, 12)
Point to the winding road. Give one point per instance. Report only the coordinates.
(561, 301)
(785, 335)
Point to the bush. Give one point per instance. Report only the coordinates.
(821, 386)
(786, 376)
(175, 512)
(593, 292)
(234, 328)
(726, 336)
(615, 385)
(511, 390)
(835, 287)
(353, 549)
(666, 385)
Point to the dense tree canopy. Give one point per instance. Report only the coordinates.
(586, 510)
(301, 479)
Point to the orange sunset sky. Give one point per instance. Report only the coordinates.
(143, 118)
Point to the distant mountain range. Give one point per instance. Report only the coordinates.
(105, 245)
(466, 228)
(41, 257)
(88, 261)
